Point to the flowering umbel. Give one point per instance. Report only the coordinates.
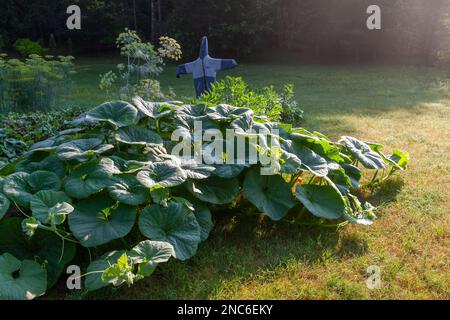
(144, 64)
(169, 48)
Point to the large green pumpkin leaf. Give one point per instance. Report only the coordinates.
(155, 153)
(214, 189)
(153, 110)
(20, 186)
(321, 201)
(43, 180)
(126, 165)
(201, 212)
(4, 201)
(148, 254)
(50, 206)
(134, 135)
(89, 178)
(127, 189)
(17, 189)
(243, 124)
(192, 169)
(308, 158)
(82, 149)
(70, 131)
(95, 270)
(358, 218)
(45, 247)
(318, 143)
(192, 111)
(312, 161)
(363, 153)
(175, 224)
(187, 115)
(4, 205)
(161, 174)
(7, 169)
(341, 180)
(225, 112)
(400, 159)
(228, 171)
(204, 219)
(357, 213)
(289, 163)
(59, 212)
(270, 194)
(49, 144)
(98, 220)
(354, 173)
(30, 283)
(118, 113)
(50, 163)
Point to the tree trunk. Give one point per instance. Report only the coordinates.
(159, 11)
(134, 13)
(152, 21)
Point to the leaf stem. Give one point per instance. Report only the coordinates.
(373, 178)
(55, 230)
(18, 208)
(322, 225)
(62, 251)
(125, 243)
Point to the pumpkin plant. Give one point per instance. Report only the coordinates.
(114, 183)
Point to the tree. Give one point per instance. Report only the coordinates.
(153, 21)
(235, 27)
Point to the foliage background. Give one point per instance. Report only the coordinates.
(413, 31)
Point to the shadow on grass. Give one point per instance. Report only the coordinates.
(352, 245)
(384, 193)
(240, 248)
(243, 248)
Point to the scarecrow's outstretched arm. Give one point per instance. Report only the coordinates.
(181, 70)
(185, 68)
(225, 64)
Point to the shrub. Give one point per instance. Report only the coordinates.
(290, 111)
(116, 175)
(266, 102)
(38, 83)
(27, 47)
(144, 63)
(150, 89)
(18, 131)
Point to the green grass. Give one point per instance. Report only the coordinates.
(250, 258)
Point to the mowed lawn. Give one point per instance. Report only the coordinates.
(251, 258)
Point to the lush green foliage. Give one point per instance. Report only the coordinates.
(144, 63)
(27, 47)
(300, 29)
(18, 131)
(265, 102)
(115, 176)
(237, 27)
(38, 83)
